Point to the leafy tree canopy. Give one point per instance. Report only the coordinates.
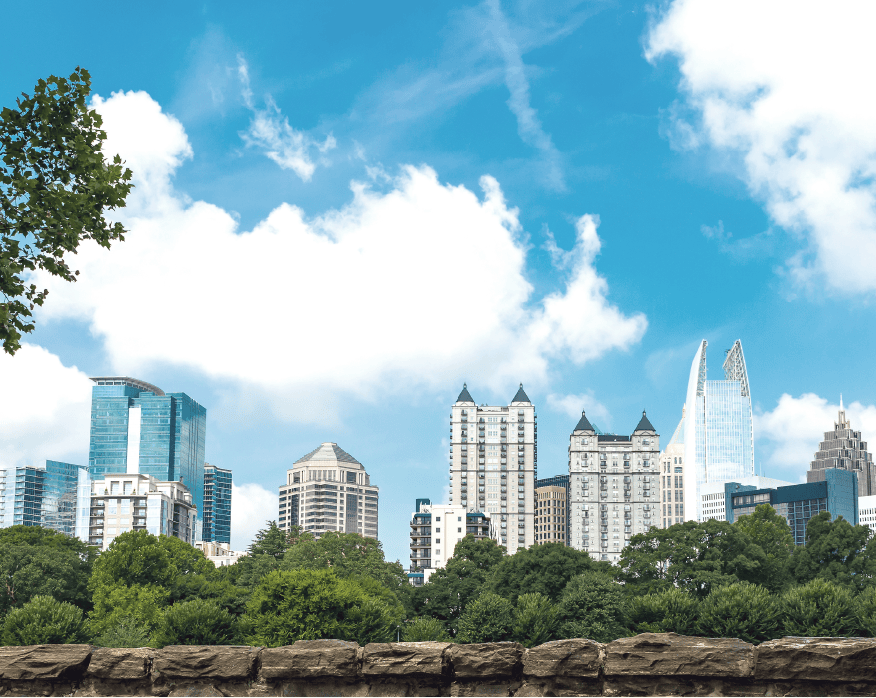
(273, 541)
(836, 551)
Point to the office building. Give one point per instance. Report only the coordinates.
(217, 504)
(718, 435)
(42, 495)
(843, 448)
(713, 501)
(137, 428)
(672, 477)
(328, 490)
(494, 463)
(435, 531)
(867, 511)
(837, 493)
(615, 488)
(552, 511)
(136, 502)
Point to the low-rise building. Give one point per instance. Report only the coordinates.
(714, 494)
(219, 554)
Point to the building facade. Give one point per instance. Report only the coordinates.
(219, 554)
(138, 428)
(137, 502)
(713, 495)
(42, 495)
(843, 448)
(867, 511)
(718, 431)
(435, 531)
(551, 514)
(837, 493)
(217, 504)
(494, 464)
(329, 490)
(615, 488)
(672, 477)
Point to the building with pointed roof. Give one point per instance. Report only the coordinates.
(614, 487)
(329, 490)
(844, 448)
(493, 464)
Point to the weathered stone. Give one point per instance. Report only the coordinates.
(404, 658)
(321, 687)
(119, 663)
(817, 658)
(564, 658)
(196, 691)
(662, 654)
(484, 688)
(43, 661)
(486, 659)
(205, 662)
(310, 659)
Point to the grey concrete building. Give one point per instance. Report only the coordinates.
(615, 488)
(843, 448)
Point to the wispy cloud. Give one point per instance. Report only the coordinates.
(573, 405)
(270, 131)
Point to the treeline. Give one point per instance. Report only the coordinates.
(745, 580)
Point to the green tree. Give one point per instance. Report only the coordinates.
(865, 610)
(770, 531)
(836, 551)
(742, 610)
(126, 632)
(819, 608)
(668, 611)
(135, 557)
(592, 606)
(489, 618)
(43, 621)
(425, 629)
(535, 620)
(116, 602)
(196, 622)
(55, 189)
(272, 541)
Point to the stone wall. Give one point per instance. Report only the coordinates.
(649, 664)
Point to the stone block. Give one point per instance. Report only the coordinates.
(310, 659)
(205, 662)
(572, 658)
(817, 659)
(482, 660)
(43, 661)
(404, 658)
(668, 654)
(119, 663)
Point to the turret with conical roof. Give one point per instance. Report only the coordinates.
(521, 396)
(584, 424)
(464, 395)
(644, 424)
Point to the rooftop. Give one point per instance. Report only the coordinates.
(132, 382)
(328, 451)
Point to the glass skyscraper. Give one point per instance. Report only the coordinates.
(137, 428)
(43, 496)
(718, 433)
(217, 504)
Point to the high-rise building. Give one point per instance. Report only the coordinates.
(329, 490)
(552, 510)
(672, 477)
(843, 448)
(217, 504)
(42, 496)
(615, 488)
(137, 428)
(718, 434)
(494, 462)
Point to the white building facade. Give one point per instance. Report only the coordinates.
(615, 488)
(494, 463)
(672, 478)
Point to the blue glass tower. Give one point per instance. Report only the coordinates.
(43, 496)
(217, 504)
(137, 428)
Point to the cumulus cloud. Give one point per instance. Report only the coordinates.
(783, 85)
(252, 507)
(572, 405)
(789, 434)
(45, 410)
(419, 286)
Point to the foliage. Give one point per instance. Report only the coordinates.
(425, 629)
(488, 618)
(668, 611)
(742, 610)
(836, 551)
(272, 541)
(252, 569)
(43, 621)
(592, 606)
(55, 188)
(535, 620)
(196, 622)
(142, 602)
(820, 608)
(126, 632)
(135, 557)
(865, 611)
(770, 531)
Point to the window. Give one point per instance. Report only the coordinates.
(438, 530)
(437, 518)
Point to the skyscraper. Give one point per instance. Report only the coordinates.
(843, 448)
(672, 477)
(42, 496)
(137, 428)
(217, 504)
(718, 434)
(493, 464)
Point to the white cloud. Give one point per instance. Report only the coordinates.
(793, 429)
(785, 86)
(252, 506)
(421, 286)
(572, 405)
(270, 131)
(44, 413)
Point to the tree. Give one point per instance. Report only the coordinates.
(196, 622)
(127, 632)
(668, 611)
(55, 189)
(742, 610)
(865, 610)
(535, 620)
(836, 551)
(135, 557)
(819, 608)
(43, 621)
(425, 629)
(770, 531)
(592, 606)
(489, 618)
(272, 541)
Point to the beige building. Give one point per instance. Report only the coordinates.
(135, 502)
(493, 463)
(550, 515)
(328, 490)
(220, 554)
(614, 490)
(672, 478)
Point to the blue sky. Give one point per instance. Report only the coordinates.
(344, 211)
